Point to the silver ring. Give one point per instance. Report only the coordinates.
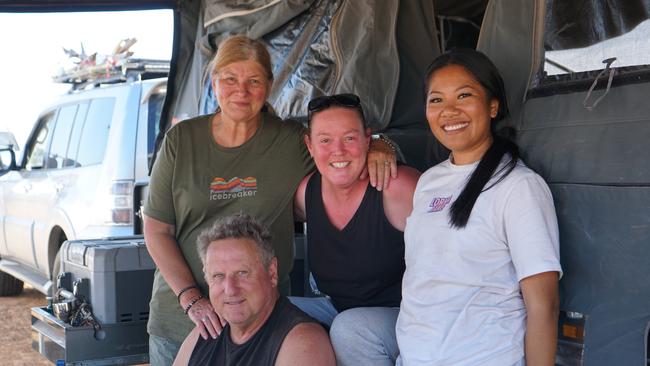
(205, 318)
(386, 162)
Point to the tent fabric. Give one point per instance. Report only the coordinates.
(218, 10)
(594, 164)
(408, 126)
(604, 250)
(466, 9)
(320, 47)
(415, 55)
(256, 18)
(185, 25)
(608, 145)
(326, 51)
(512, 36)
(581, 23)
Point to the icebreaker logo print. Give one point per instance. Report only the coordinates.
(439, 203)
(222, 189)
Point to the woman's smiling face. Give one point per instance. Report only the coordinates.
(459, 111)
(338, 142)
(241, 89)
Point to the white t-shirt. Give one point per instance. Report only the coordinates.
(461, 300)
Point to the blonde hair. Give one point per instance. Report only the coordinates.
(241, 48)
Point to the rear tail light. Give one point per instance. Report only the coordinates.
(571, 338)
(120, 203)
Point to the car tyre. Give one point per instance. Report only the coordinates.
(56, 270)
(10, 285)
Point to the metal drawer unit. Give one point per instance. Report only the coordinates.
(115, 275)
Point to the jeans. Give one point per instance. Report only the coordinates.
(365, 336)
(162, 351)
(360, 336)
(319, 308)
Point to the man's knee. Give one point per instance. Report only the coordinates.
(355, 325)
(363, 335)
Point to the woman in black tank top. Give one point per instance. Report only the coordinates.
(355, 235)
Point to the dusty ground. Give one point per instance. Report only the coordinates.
(15, 329)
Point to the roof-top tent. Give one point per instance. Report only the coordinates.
(592, 154)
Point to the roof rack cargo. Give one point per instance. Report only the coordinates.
(115, 68)
(128, 69)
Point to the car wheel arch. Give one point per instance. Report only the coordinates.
(57, 237)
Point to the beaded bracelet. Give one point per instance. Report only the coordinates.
(184, 290)
(194, 300)
(388, 142)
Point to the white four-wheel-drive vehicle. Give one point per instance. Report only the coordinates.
(75, 177)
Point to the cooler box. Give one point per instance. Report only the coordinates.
(115, 276)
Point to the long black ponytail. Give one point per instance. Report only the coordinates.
(484, 71)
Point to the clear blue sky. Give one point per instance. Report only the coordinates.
(32, 53)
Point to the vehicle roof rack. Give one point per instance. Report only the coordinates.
(115, 68)
(128, 69)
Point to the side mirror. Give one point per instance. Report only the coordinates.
(7, 139)
(7, 160)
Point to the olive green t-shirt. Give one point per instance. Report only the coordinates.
(194, 181)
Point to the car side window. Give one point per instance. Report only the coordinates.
(155, 106)
(56, 158)
(35, 156)
(75, 136)
(94, 134)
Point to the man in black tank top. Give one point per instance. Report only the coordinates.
(261, 328)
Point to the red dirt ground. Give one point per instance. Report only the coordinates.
(15, 329)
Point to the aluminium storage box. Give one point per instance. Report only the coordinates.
(115, 275)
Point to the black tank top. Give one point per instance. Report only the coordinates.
(361, 265)
(263, 347)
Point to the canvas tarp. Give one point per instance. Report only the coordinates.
(595, 162)
(321, 47)
(580, 23)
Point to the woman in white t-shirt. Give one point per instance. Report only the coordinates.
(482, 248)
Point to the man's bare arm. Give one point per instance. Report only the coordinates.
(185, 352)
(306, 344)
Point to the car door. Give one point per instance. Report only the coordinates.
(21, 190)
(148, 128)
(48, 212)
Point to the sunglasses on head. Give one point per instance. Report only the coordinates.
(341, 100)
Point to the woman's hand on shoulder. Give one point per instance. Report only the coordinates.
(206, 319)
(381, 164)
